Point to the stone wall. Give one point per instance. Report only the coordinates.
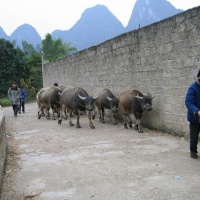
(161, 59)
(3, 147)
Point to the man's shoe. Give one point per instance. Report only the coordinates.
(19, 112)
(15, 115)
(193, 155)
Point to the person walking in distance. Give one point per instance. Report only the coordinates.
(14, 95)
(192, 102)
(22, 100)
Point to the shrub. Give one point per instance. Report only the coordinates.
(5, 102)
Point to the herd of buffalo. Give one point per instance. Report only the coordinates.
(63, 100)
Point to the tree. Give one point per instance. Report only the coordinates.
(28, 49)
(13, 66)
(55, 49)
(33, 59)
(35, 64)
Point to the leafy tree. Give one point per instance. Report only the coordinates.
(33, 59)
(55, 49)
(28, 49)
(35, 64)
(13, 66)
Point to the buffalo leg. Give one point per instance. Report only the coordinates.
(39, 112)
(58, 112)
(65, 112)
(130, 123)
(53, 113)
(125, 123)
(100, 116)
(70, 120)
(138, 125)
(103, 115)
(61, 114)
(90, 119)
(93, 116)
(77, 118)
(47, 113)
(42, 112)
(140, 130)
(113, 119)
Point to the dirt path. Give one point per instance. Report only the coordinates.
(59, 162)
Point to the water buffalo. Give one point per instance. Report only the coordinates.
(47, 98)
(74, 100)
(134, 102)
(107, 100)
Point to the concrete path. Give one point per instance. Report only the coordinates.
(59, 162)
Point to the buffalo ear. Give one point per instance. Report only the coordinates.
(110, 99)
(151, 96)
(81, 97)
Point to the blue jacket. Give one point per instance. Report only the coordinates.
(192, 102)
(23, 95)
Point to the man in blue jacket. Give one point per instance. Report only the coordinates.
(22, 100)
(192, 102)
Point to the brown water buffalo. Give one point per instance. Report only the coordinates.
(47, 98)
(105, 100)
(134, 102)
(74, 100)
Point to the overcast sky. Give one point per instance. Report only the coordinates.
(48, 15)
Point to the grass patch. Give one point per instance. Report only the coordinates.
(5, 102)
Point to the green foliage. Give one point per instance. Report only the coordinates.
(13, 65)
(5, 102)
(34, 81)
(33, 59)
(30, 89)
(28, 49)
(25, 66)
(55, 49)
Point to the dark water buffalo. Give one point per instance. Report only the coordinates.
(48, 98)
(134, 102)
(75, 100)
(107, 100)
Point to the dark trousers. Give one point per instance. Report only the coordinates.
(194, 133)
(22, 105)
(15, 109)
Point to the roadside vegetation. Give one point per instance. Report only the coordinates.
(25, 65)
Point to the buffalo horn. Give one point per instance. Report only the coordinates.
(138, 97)
(95, 97)
(110, 99)
(81, 97)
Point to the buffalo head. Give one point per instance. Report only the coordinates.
(89, 102)
(114, 104)
(146, 101)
